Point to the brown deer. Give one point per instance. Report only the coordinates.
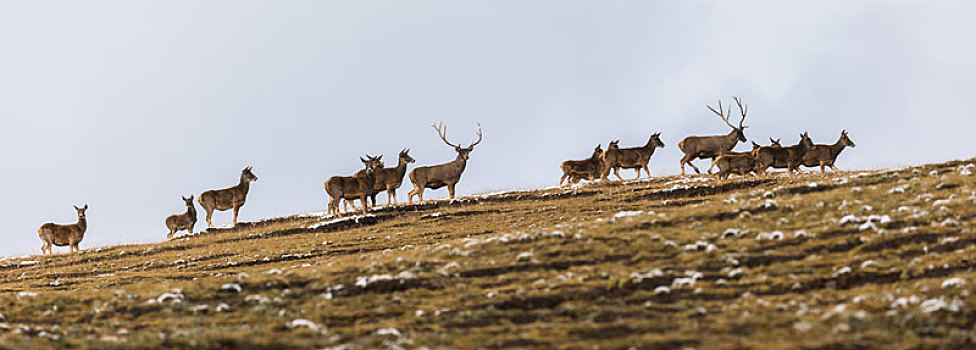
(349, 187)
(64, 235)
(228, 198)
(630, 158)
(789, 157)
(826, 155)
(390, 179)
(185, 221)
(755, 146)
(695, 147)
(590, 168)
(447, 174)
(735, 163)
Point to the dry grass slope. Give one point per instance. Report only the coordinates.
(861, 260)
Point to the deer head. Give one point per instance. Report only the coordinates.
(655, 141)
(247, 176)
(463, 152)
(743, 110)
(775, 142)
(597, 151)
(188, 201)
(844, 140)
(81, 211)
(406, 158)
(805, 140)
(372, 163)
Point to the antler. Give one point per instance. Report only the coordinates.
(480, 137)
(719, 113)
(743, 109)
(442, 132)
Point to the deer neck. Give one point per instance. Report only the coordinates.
(191, 210)
(244, 186)
(82, 224)
(731, 139)
(401, 168)
(460, 163)
(836, 148)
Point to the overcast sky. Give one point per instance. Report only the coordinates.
(127, 105)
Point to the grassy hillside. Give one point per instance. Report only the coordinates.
(878, 259)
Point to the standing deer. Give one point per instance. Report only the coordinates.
(790, 157)
(64, 235)
(349, 187)
(390, 179)
(755, 146)
(826, 155)
(185, 221)
(447, 174)
(630, 158)
(740, 163)
(228, 198)
(590, 168)
(695, 147)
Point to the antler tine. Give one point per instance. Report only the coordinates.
(480, 137)
(743, 109)
(442, 132)
(720, 114)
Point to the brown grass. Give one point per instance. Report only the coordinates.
(542, 269)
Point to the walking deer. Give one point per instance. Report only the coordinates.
(630, 158)
(755, 146)
(590, 168)
(789, 157)
(350, 187)
(228, 198)
(447, 174)
(64, 235)
(185, 221)
(826, 155)
(735, 163)
(695, 147)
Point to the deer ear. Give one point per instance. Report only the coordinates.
(363, 160)
(76, 207)
(85, 208)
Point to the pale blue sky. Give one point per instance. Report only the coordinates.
(127, 105)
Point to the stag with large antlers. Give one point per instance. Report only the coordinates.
(695, 147)
(358, 186)
(826, 155)
(590, 168)
(630, 158)
(447, 174)
(64, 235)
(789, 157)
(228, 198)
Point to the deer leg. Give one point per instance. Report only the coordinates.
(170, 234)
(563, 178)
(616, 171)
(648, 171)
(362, 198)
(638, 173)
(697, 171)
(834, 168)
(209, 216)
(236, 209)
(450, 191)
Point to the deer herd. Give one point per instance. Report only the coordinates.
(374, 178)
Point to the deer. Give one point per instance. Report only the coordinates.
(630, 158)
(227, 198)
(447, 174)
(64, 235)
(185, 221)
(826, 155)
(740, 163)
(349, 187)
(390, 179)
(589, 168)
(695, 147)
(755, 146)
(789, 157)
